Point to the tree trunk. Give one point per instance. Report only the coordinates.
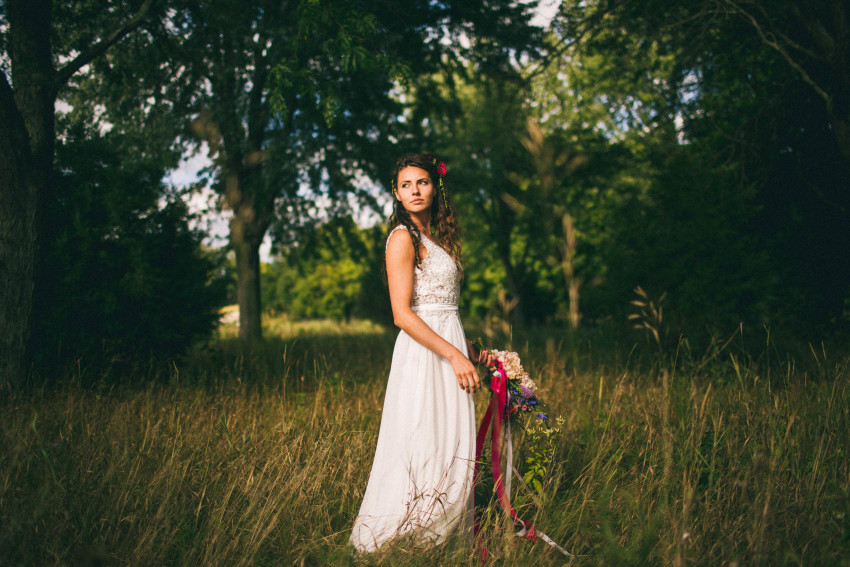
(568, 252)
(245, 238)
(27, 131)
(18, 251)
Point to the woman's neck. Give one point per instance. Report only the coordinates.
(422, 222)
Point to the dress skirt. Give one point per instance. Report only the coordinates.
(421, 479)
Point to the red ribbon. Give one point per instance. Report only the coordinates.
(496, 413)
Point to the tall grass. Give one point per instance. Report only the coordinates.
(259, 457)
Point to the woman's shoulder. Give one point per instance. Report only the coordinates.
(398, 227)
(399, 234)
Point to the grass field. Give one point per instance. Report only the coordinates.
(260, 457)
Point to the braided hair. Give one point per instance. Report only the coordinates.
(442, 213)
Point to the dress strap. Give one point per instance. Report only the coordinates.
(397, 227)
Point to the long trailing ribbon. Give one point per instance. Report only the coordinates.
(496, 413)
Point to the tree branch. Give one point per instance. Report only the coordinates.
(770, 40)
(87, 56)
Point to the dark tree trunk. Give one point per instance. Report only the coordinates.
(246, 243)
(18, 251)
(247, 229)
(26, 163)
(242, 172)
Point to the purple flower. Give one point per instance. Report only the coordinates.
(542, 417)
(532, 402)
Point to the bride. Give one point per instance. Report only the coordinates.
(421, 479)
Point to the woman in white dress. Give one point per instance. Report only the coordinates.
(421, 479)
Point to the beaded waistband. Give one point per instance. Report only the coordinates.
(434, 307)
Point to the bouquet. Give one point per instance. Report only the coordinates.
(521, 388)
(513, 393)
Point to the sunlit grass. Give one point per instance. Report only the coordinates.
(281, 326)
(260, 456)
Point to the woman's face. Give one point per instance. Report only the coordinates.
(414, 189)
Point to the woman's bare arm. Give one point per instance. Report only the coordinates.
(400, 262)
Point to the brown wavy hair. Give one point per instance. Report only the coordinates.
(443, 222)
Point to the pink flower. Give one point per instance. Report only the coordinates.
(441, 169)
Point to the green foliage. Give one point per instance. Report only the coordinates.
(298, 99)
(335, 272)
(688, 151)
(516, 176)
(123, 275)
(742, 168)
(540, 444)
(479, 139)
(689, 157)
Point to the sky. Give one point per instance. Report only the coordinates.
(215, 223)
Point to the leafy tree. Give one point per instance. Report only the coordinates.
(523, 162)
(128, 278)
(744, 215)
(32, 78)
(302, 99)
(479, 138)
(813, 40)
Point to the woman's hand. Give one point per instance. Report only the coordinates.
(467, 376)
(482, 357)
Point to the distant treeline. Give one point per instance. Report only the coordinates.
(336, 273)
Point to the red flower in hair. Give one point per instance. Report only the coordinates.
(441, 169)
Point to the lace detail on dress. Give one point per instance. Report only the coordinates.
(437, 280)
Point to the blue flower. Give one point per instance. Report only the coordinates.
(532, 402)
(542, 417)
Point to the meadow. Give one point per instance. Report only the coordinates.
(260, 456)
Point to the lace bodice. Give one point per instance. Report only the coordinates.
(437, 279)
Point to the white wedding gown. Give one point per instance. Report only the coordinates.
(421, 478)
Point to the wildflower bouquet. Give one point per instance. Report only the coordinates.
(522, 391)
(513, 393)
